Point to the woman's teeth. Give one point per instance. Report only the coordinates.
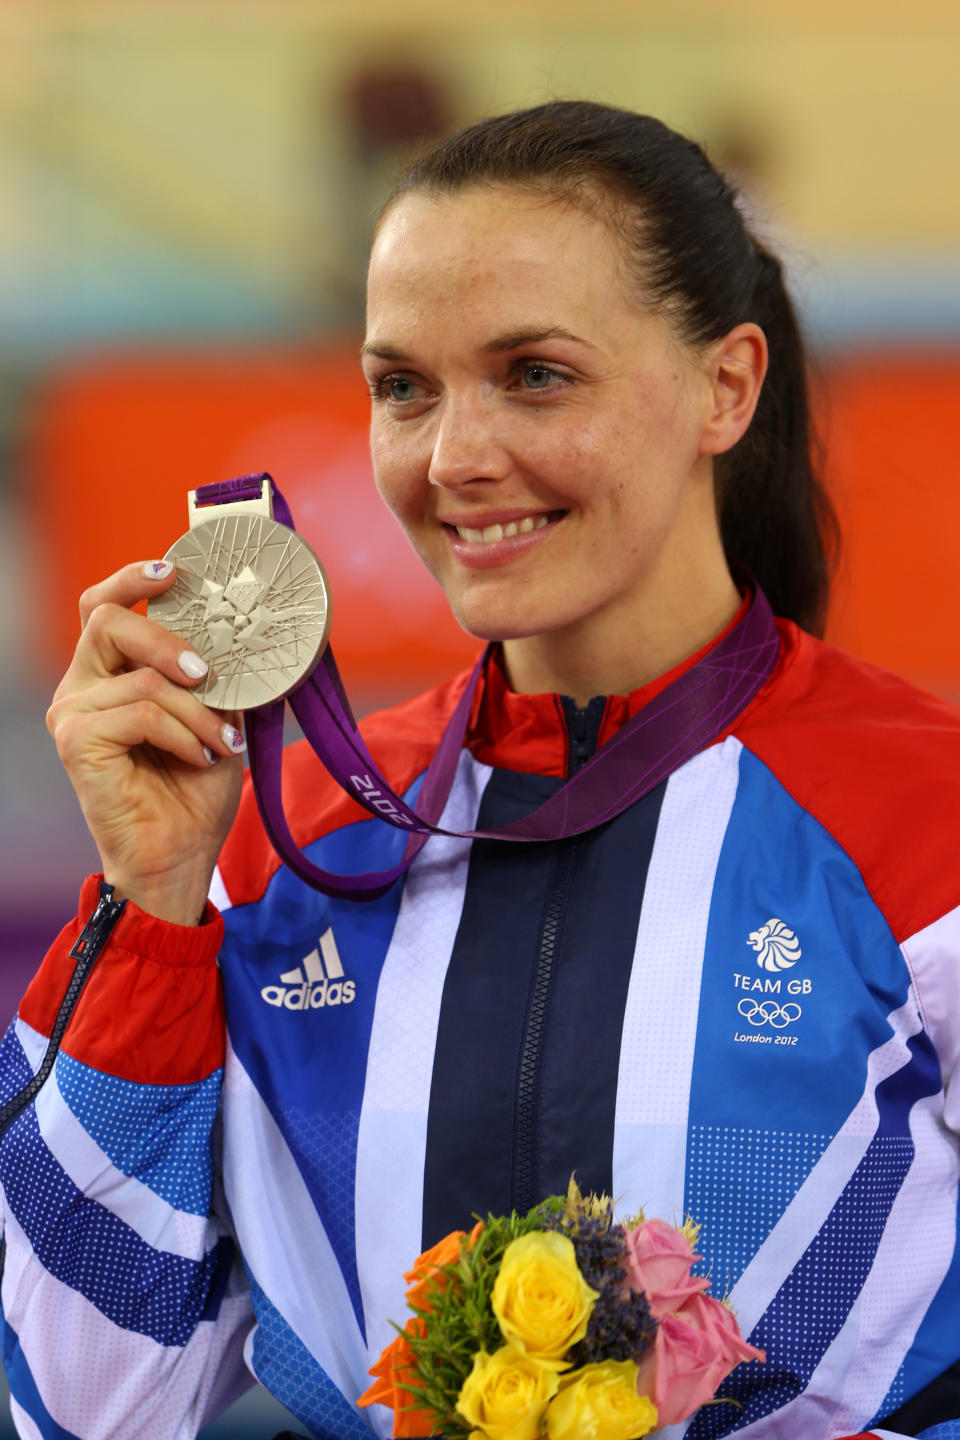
(492, 533)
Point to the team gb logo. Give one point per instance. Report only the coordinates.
(776, 945)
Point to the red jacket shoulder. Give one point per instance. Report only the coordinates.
(400, 739)
(876, 761)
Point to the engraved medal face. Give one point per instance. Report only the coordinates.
(250, 597)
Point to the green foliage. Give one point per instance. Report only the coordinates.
(460, 1321)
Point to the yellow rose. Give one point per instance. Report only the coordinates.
(540, 1298)
(600, 1402)
(505, 1394)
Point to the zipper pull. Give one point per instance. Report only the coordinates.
(583, 729)
(578, 738)
(96, 932)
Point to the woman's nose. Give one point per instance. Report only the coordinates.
(467, 445)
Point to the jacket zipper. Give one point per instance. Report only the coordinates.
(86, 951)
(583, 728)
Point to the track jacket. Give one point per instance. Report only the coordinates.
(739, 999)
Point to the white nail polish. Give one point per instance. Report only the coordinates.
(192, 665)
(233, 738)
(212, 758)
(157, 569)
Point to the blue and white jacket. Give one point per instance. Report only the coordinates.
(740, 999)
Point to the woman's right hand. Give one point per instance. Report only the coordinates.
(157, 772)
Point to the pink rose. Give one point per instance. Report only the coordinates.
(694, 1351)
(720, 1326)
(658, 1262)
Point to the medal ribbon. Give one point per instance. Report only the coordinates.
(678, 722)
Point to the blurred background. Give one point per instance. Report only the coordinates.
(186, 194)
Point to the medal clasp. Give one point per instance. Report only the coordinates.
(261, 504)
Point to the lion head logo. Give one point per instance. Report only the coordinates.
(776, 945)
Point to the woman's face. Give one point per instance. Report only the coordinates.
(537, 435)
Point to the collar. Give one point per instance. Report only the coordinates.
(529, 732)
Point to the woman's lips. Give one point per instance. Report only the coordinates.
(480, 546)
(492, 534)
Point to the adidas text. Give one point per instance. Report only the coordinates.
(310, 997)
(316, 983)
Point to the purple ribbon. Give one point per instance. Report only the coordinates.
(678, 722)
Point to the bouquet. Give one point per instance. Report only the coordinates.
(561, 1323)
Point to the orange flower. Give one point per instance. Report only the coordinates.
(424, 1278)
(393, 1371)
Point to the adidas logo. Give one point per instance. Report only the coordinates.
(316, 982)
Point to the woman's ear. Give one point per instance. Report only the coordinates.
(735, 367)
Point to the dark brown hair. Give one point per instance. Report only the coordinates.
(694, 257)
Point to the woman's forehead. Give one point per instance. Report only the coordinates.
(500, 254)
(470, 218)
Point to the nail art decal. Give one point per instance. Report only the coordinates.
(233, 738)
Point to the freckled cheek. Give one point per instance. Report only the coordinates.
(573, 461)
(399, 478)
(408, 509)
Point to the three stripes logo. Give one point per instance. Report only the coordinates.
(318, 981)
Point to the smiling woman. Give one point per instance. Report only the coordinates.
(589, 416)
(529, 388)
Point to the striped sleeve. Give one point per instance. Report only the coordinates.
(124, 1306)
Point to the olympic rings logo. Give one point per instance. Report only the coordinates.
(768, 1012)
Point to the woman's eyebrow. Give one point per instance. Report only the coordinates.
(383, 351)
(511, 340)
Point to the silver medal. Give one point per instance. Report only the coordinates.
(251, 598)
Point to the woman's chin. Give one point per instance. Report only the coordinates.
(489, 626)
(503, 608)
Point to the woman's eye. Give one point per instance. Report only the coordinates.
(396, 388)
(539, 377)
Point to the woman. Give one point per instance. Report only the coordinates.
(736, 997)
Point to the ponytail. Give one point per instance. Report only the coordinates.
(775, 515)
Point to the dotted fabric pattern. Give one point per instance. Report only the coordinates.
(284, 1365)
(948, 1430)
(895, 1396)
(15, 1071)
(807, 1313)
(325, 1146)
(26, 1396)
(151, 1292)
(764, 1168)
(158, 1133)
(812, 1304)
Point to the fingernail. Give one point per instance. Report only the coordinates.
(233, 739)
(192, 665)
(211, 757)
(157, 569)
